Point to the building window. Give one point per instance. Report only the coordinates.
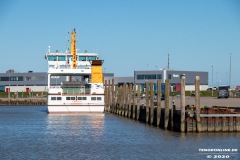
(150, 76)
(169, 76)
(159, 76)
(15, 78)
(59, 98)
(35, 78)
(140, 76)
(99, 98)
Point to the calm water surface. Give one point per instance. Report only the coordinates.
(31, 133)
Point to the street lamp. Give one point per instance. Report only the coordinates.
(9, 86)
(230, 68)
(212, 74)
(212, 81)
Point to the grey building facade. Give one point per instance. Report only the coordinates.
(37, 81)
(140, 77)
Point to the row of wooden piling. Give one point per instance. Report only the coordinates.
(124, 100)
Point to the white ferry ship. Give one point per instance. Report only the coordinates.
(81, 89)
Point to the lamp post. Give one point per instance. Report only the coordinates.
(9, 86)
(212, 80)
(230, 68)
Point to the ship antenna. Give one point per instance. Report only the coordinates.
(168, 62)
(49, 47)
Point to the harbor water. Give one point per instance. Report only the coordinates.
(28, 132)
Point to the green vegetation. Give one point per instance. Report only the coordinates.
(190, 93)
(23, 94)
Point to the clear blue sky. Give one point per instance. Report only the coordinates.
(128, 34)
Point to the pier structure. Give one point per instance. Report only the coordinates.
(127, 101)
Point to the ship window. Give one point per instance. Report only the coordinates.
(91, 58)
(99, 98)
(59, 98)
(69, 58)
(93, 98)
(82, 98)
(72, 98)
(67, 98)
(61, 58)
(52, 58)
(82, 58)
(53, 98)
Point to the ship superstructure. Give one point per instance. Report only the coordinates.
(81, 89)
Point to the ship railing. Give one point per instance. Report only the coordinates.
(79, 94)
(76, 91)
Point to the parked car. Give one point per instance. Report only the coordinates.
(223, 91)
(237, 94)
(162, 97)
(223, 94)
(143, 96)
(192, 94)
(212, 88)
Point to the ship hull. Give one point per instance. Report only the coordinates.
(57, 109)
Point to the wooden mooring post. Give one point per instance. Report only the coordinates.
(159, 96)
(126, 100)
(147, 101)
(116, 104)
(134, 101)
(151, 103)
(182, 103)
(109, 95)
(113, 104)
(138, 102)
(129, 99)
(166, 115)
(197, 102)
(120, 97)
(123, 99)
(106, 96)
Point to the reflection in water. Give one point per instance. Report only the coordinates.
(75, 124)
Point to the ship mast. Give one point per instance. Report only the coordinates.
(73, 49)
